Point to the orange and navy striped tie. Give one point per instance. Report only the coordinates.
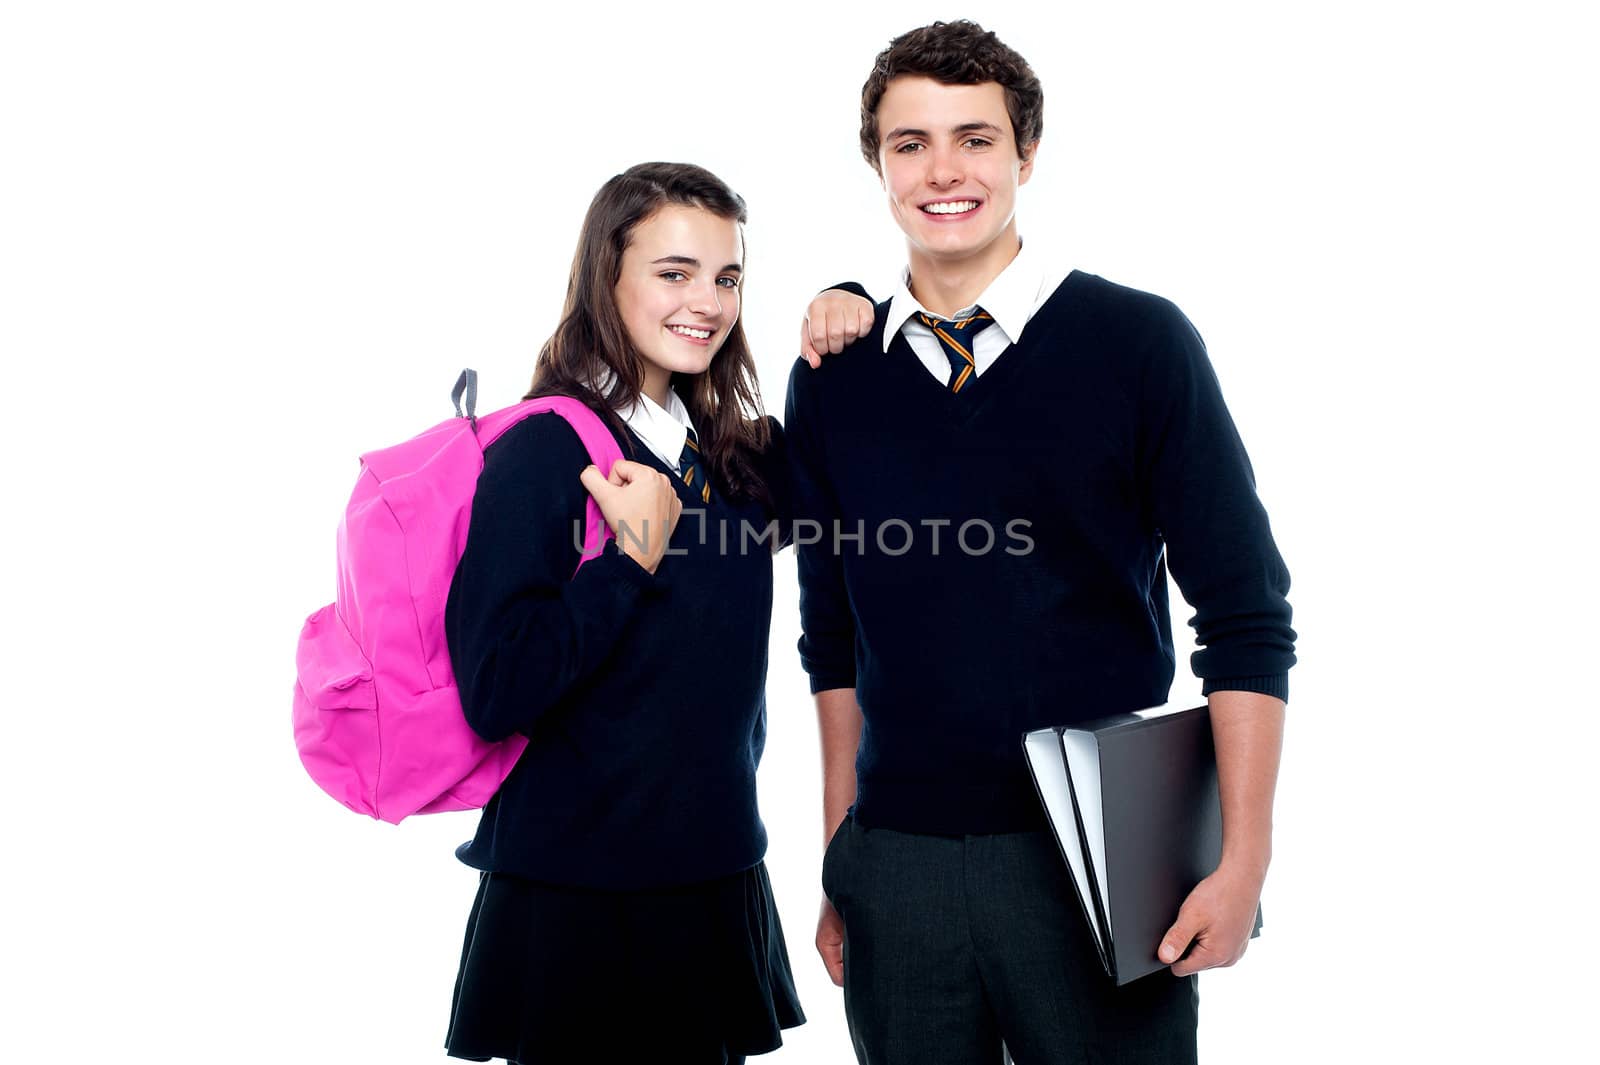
(955, 337)
(693, 470)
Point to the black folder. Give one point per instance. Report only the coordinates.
(1133, 802)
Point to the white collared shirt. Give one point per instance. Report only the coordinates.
(1011, 299)
(663, 429)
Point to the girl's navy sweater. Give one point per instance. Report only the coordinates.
(643, 696)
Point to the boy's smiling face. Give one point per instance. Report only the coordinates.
(951, 167)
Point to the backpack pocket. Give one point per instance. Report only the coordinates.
(335, 712)
(333, 673)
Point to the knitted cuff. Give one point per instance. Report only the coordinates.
(1275, 685)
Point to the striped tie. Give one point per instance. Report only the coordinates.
(955, 337)
(693, 470)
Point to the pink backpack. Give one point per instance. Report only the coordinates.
(377, 717)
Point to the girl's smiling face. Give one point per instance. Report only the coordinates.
(678, 291)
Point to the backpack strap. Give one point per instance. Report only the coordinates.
(603, 452)
(596, 437)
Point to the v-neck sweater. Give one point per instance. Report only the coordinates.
(643, 695)
(980, 564)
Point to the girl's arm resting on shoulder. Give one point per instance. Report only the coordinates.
(522, 628)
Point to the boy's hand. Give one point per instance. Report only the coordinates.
(834, 320)
(830, 942)
(1214, 924)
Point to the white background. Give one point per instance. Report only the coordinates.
(242, 243)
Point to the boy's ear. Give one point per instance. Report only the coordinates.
(1026, 170)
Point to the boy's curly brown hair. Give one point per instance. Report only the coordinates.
(955, 53)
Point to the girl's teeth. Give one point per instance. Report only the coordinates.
(698, 334)
(958, 207)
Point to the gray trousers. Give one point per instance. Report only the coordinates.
(954, 946)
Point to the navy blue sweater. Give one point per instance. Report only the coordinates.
(1002, 559)
(642, 695)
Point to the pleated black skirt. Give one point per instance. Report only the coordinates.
(559, 974)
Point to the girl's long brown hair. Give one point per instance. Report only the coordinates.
(725, 401)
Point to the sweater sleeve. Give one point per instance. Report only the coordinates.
(774, 469)
(522, 628)
(828, 630)
(1201, 497)
(853, 287)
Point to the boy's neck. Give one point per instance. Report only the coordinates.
(945, 286)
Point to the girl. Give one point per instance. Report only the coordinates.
(623, 911)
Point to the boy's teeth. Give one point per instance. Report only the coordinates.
(951, 208)
(698, 334)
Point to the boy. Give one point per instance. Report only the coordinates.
(999, 470)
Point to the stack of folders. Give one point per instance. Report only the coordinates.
(1133, 802)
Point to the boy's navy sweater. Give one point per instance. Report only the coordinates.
(642, 695)
(1091, 454)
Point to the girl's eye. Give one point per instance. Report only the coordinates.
(728, 282)
(673, 275)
